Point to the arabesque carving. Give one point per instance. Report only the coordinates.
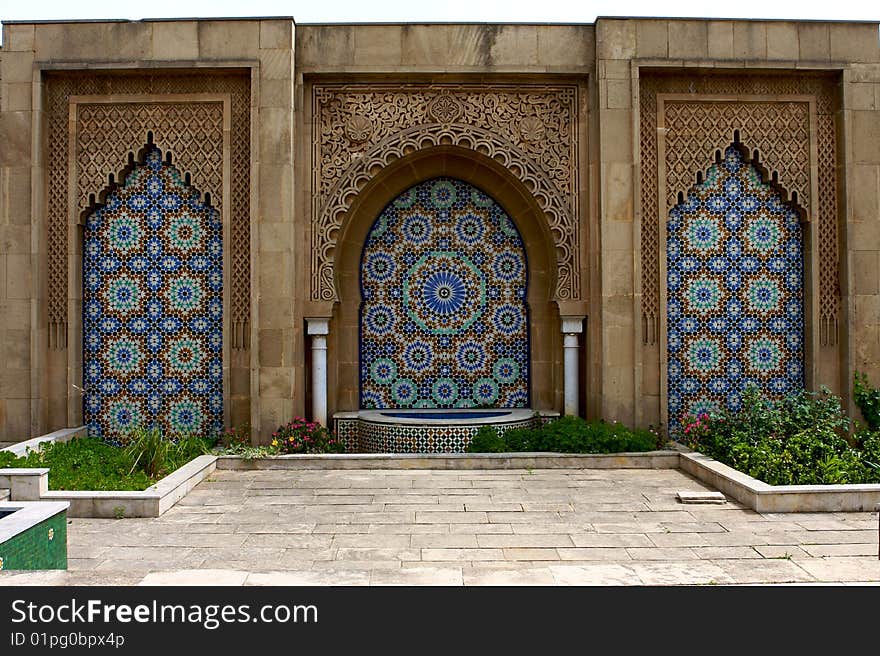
(190, 129)
(779, 130)
(530, 129)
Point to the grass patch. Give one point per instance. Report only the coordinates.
(89, 463)
(566, 435)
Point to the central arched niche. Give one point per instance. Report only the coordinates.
(443, 319)
(545, 353)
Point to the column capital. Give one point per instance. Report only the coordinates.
(317, 326)
(573, 323)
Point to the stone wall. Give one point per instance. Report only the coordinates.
(266, 379)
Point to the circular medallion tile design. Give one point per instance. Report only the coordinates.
(153, 307)
(735, 313)
(443, 322)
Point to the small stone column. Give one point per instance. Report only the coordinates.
(319, 329)
(571, 328)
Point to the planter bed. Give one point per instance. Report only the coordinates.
(32, 484)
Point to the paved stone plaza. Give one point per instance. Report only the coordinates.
(544, 527)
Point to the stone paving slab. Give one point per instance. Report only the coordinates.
(458, 527)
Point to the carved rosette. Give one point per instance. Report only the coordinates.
(445, 108)
(511, 124)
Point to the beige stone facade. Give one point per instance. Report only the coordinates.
(302, 133)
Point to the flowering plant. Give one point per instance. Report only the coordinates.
(302, 436)
(694, 428)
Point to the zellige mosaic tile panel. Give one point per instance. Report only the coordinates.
(444, 322)
(153, 307)
(735, 309)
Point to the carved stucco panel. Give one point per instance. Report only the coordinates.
(779, 130)
(530, 129)
(197, 149)
(193, 131)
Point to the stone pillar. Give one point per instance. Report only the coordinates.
(571, 328)
(318, 329)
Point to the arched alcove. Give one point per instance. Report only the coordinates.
(735, 290)
(153, 305)
(443, 317)
(545, 360)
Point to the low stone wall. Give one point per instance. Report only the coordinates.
(780, 498)
(650, 460)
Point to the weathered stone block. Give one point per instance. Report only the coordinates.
(276, 34)
(652, 38)
(514, 45)
(719, 36)
(749, 40)
(175, 40)
(814, 41)
(15, 135)
(866, 136)
(566, 45)
(615, 39)
(688, 40)
(320, 46)
(18, 37)
(854, 42)
(782, 41)
(229, 39)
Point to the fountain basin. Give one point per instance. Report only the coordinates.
(423, 430)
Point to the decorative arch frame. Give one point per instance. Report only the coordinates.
(484, 173)
(361, 130)
(155, 119)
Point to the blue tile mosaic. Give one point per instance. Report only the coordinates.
(735, 312)
(443, 319)
(153, 307)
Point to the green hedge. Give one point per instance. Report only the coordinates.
(566, 435)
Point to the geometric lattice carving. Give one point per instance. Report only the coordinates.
(443, 322)
(188, 129)
(778, 131)
(197, 150)
(530, 129)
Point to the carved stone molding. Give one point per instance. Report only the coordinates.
(778, 116)
(530, 129)
(107, 132)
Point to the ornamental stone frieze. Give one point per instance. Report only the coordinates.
(359, 129)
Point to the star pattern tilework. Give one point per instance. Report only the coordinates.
(735, 312)
(153, 307)
(443, 322)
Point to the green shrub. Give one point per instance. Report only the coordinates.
(565, 435)
(801, 439)
(487, 441)
(868, 400)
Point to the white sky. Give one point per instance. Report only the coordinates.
(501, 11)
